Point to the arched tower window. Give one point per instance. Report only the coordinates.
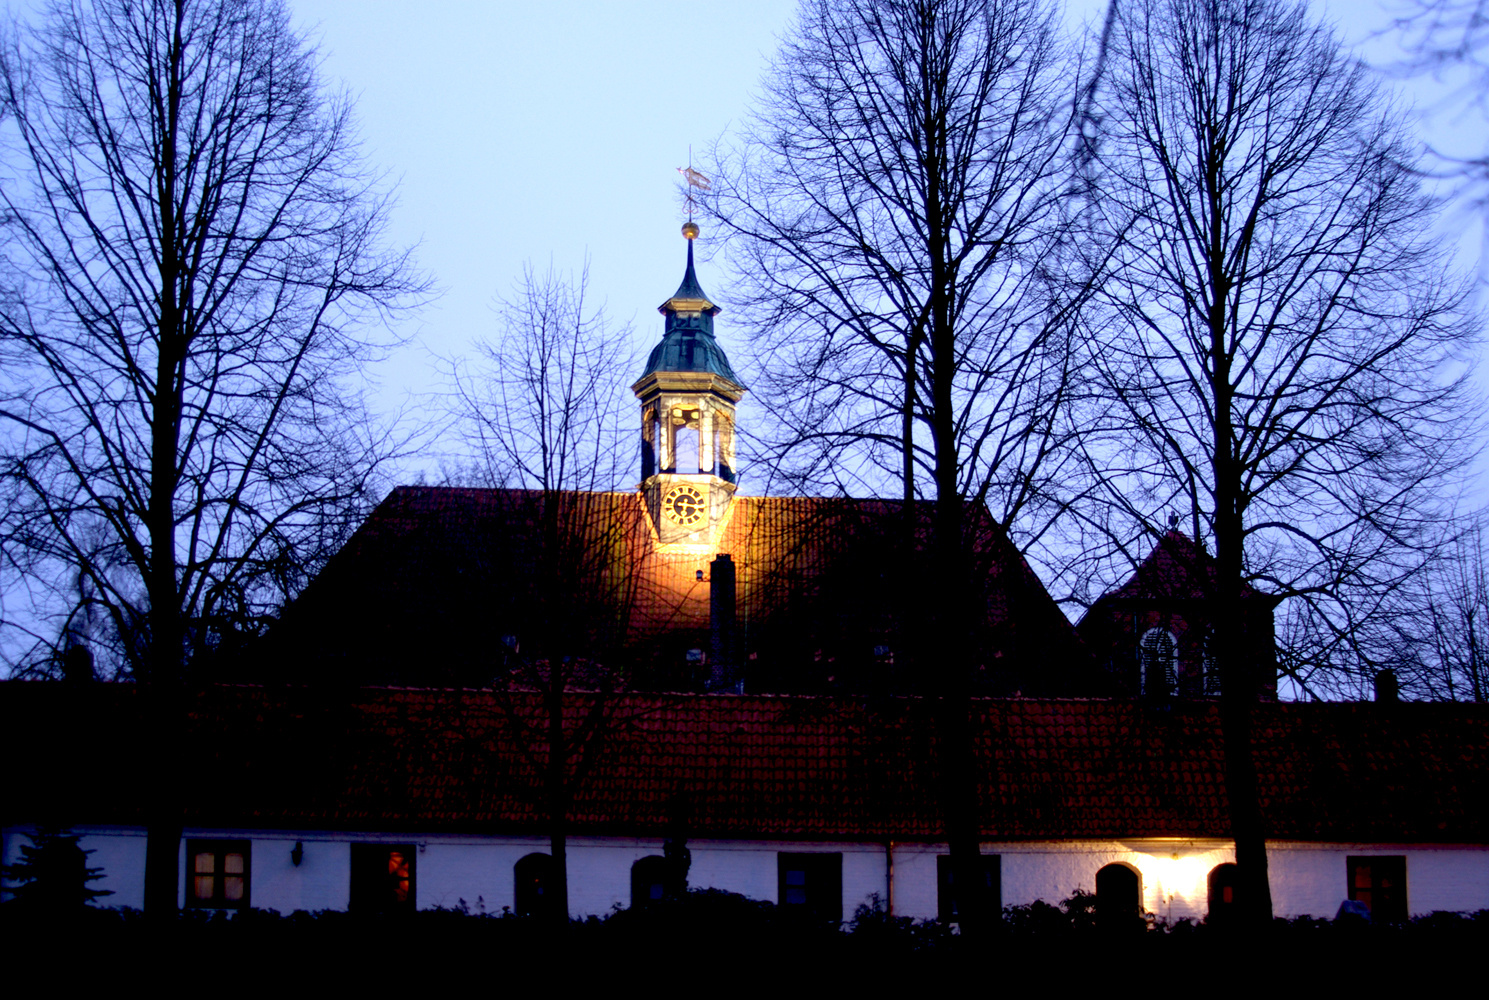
(685, 427)
(1156, 662)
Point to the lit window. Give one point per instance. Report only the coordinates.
(1380, 883)
(811, 884)
(383, 878)
(218, 874)
(992, 875)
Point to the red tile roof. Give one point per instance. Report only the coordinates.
(1177, 568)
(426, 588)
(757, 767)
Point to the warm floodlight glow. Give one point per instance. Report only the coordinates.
(1178, 879)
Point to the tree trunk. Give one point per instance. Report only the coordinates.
(166, 636)
(950, 608)
(1234, 656)
(558, 802)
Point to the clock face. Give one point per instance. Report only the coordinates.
(684, 505)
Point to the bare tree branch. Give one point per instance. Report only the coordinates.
(197, 251)
(1285, 349)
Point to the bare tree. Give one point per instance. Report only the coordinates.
(1454, 660)
(1448, 40)
(544, 406)
(898, 214)
(1430, 635)
(196, 247)
(898, 220)
(544, 411)
(1285, 337)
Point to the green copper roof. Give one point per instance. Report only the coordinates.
(688, 343)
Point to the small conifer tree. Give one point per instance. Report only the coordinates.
(53, 874)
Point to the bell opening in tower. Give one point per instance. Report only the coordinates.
(687, 441)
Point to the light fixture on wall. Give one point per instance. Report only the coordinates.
(297, 853)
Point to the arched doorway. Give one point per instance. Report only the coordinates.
(1222, 895)
(649, 878)
(1119, 896)
(533, 875)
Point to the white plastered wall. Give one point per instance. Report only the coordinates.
(120, 852)
(1307, 879)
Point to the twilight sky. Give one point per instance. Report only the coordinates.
(551, 131)
(541, 131)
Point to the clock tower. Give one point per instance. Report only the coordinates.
(688, 393)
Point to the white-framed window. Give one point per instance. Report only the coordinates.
(1156, 653)
(1208, 665)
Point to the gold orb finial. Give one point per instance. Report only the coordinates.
(690, 230)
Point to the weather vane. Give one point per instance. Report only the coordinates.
(694, 179)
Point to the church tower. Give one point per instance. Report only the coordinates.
(688, 393)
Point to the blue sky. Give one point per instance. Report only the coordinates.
(540, 131)
(552, 131)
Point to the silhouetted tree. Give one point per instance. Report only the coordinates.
(1279, 361)
(542, 411)
(195, 247)
(898, 216)
(1449, 41)
(52, 876)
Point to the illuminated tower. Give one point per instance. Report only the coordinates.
(688, 393)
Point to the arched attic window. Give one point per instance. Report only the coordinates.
(1155, 653)
(1210, 667)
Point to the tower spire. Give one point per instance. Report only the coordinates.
(688, 393)
(688, 343)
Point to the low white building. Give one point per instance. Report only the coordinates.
(381, 798)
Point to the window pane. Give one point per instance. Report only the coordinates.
(232, 888)
(201, 887)
(204, 862)
(233, 864)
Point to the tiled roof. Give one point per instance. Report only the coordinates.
(426, 588)
(1177, 568)
(758, 767)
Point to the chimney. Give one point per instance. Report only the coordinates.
(724, 673)
(1386, 687)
